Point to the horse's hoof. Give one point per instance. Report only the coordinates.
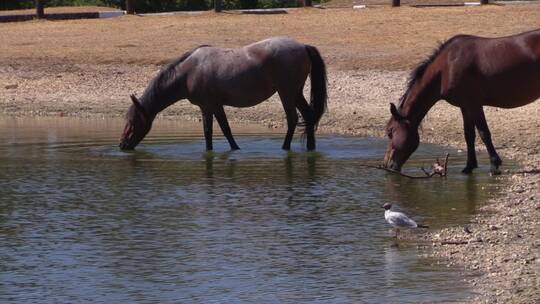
(493, 172)
(467, 170)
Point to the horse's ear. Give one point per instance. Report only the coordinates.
(395, 112)
(137, 103)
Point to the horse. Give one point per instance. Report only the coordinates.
(212, 78)
(468, 72)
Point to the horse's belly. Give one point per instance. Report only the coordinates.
(514, 92)
(514, 88)
(514, 100)
(246, 90)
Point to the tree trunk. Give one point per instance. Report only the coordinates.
(396, 3)
(217, 6)
(40, 8)
(308, 3)
(484, 1)
(130, 7)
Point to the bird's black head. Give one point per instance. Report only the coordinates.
(387, 206)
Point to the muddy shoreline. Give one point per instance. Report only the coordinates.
(502, 252)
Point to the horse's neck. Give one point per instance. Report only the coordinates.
(158, 98)
(155, 104)
(422, 97)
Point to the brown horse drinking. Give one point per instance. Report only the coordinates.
(212, 77)
(469, 72)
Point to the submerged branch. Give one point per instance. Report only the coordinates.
(401, 174)
(436, 169)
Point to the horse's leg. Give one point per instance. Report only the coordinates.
(485, 134)
(224, 125)
(208, 119)
(308, 116)
(470, 137)
(292, 119)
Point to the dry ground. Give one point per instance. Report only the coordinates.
(376, 38)
(89, 67)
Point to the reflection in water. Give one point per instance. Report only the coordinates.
(439, 198)
(82, 222)
(209, 160)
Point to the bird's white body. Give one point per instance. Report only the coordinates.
(399, 219)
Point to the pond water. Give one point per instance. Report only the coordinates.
(81, 221)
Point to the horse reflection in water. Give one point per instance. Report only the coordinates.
(212, 77)
(293, 167)
(469, 72)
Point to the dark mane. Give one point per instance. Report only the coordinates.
(165, 75)
(169, 70)
(420, 69)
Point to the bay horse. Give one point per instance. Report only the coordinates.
(212, 77)
(468, 72)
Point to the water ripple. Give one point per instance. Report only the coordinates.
(81, 221)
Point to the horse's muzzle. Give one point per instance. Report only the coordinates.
(388, 157)
(394, 166)
(389, 161)
(126, 146)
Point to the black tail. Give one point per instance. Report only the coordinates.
(422, 226)
(318, 83)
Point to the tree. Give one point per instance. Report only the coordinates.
(40, 8)
(396, 3)
(217, 6)
(130, 7)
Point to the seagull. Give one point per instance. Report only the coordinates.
(399, 219)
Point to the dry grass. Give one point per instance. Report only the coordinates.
(376, 38)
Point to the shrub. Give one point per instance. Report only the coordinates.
(156, 6)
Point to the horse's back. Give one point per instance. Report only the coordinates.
(248, 75)
(277, 43)
(283, 52)
(511, 69)
(289, 59)
(506, 68)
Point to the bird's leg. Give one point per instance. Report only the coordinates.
(397, 232)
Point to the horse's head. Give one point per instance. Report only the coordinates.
(404, 139)
(139, 122)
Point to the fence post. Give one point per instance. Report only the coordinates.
(396, 3)
(40, 8)
(217, 6)
(130, 7)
